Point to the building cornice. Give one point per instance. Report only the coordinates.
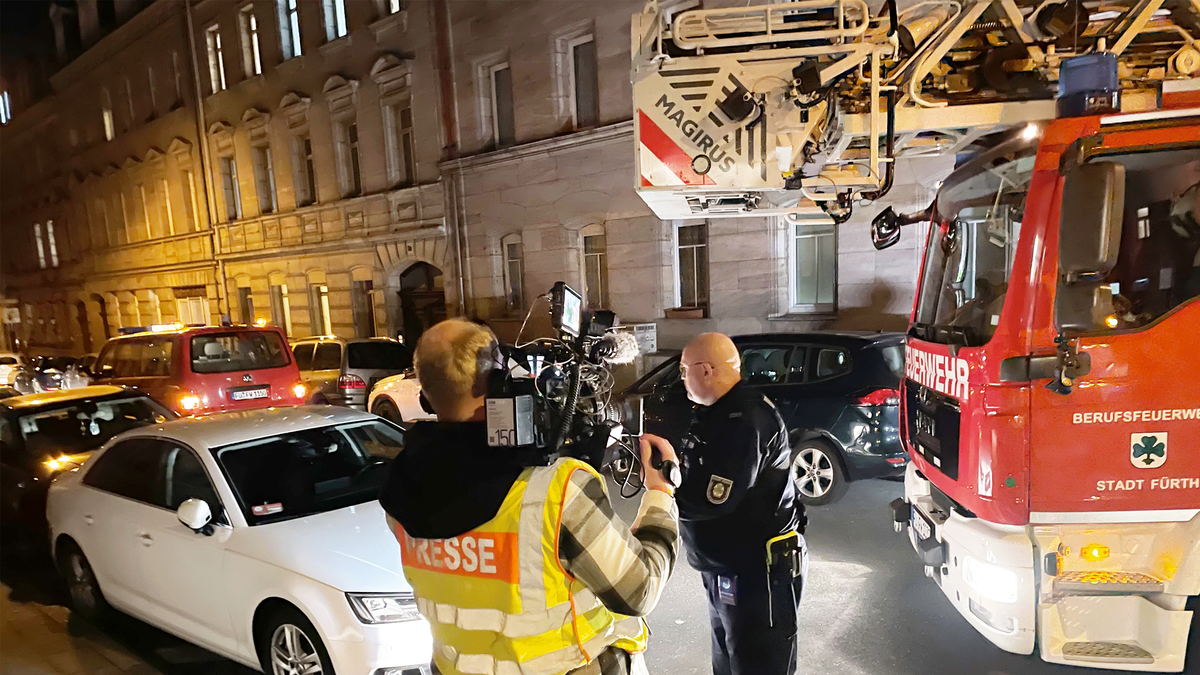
(108, 47)
(607, 134)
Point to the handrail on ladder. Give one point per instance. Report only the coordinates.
(761, 24)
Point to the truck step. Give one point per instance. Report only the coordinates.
(1106, 652)
(1100, 581)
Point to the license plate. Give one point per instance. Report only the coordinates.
(925, 424)
(250, 394)
(920, 525)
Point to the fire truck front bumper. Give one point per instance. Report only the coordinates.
(985, 570)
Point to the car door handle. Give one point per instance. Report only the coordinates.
(146, 539)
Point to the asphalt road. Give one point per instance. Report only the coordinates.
(868, 610)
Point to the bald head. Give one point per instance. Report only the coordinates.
(448, 363)
(710, 366)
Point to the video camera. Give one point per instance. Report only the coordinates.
(553, 396)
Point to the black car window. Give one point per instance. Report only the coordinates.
(155, 358)
(127, 361)
(796, 367)
(80, 426)
(241, 350)
(328, 356)
(8, 361)
(132, 469)
(663, 379)
(304, 355)
(830, 362)
(185, 478)
(381, 354)
(106, 361)
(765, 365)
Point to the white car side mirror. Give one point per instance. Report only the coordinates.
(195, 514)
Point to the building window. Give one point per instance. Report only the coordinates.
(289, 28)
(514, 271)
(191, 309)
(264, 179)
(813, 267)
(348, 169)
(50, 239)
(189, 200)
(595, 268)
(245, 305)
(145, 204)
(251, 54)
(122, 205)
(692, 263)
(167, 213)
(5, 107)
(229, 182)
(401, 162)
(129, 103)
(503, 123)
(363, 308)
(178, 73)
(281, 311)
(391, 6)
(106, 112)
(585, 90)
(41, 245)
(153, 90)
(318, 309)
(306, 176)
(335, 19)
(216, 58)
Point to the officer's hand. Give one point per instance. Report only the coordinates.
(654, 477)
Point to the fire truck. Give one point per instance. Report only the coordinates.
(1050, 405)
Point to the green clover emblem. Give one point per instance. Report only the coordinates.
(1148, 449)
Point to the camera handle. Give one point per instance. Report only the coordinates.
(568, 412)
(669, 468)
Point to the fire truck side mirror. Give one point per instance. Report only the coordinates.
(885, 229)
(1089, 234)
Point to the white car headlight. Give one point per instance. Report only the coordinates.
(990, 581)
(384, 608)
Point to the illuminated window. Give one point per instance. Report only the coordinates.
(813, 267)
(216, 58)
(37, 236)
(306, 176)
(264, 179)
(335, 19)
(399, 141)
(5, 108)
(106, 112)
(347, 149)
(251, 55)
(229, 184)
(289, 28)
(50, 239)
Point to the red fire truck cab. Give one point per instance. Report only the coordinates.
(1052, 397)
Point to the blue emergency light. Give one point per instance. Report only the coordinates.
(1089, 85)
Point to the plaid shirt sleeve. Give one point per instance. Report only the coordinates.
(625, 567)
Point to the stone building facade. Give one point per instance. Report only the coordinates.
(365, 167)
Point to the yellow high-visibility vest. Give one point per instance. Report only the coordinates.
(497, 598)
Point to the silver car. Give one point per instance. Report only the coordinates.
(342, 372)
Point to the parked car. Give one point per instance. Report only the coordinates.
(201, 370)
(79, 374)
(42, 373)
(838, 393)
(341, 371)
(398, 400)
(9, 365)
(42, 435)
(254, 534)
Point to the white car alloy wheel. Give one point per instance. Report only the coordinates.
(293, 653)
(86, 598)
(812, 470)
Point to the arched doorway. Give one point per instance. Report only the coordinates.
(422, 300)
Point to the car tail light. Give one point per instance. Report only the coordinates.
(879, 397)
(299, 390)
(189, 403)
(351, 382)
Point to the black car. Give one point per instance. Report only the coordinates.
(838, 393)
(42, 435)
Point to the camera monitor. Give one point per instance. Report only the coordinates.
(567, 309)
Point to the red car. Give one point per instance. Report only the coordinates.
(205, 370)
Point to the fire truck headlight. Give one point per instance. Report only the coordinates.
(990, 581)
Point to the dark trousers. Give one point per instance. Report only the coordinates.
(744, 641)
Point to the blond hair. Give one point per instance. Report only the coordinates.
(447, 361)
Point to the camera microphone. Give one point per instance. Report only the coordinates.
(616, 348)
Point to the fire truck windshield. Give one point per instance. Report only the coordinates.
(970, 253)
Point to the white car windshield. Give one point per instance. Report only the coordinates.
(310, 471)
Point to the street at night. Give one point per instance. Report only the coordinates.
(868, 610)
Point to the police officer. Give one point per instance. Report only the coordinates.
(740, 521)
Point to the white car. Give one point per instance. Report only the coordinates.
(397, 400)
(9, 365)
(255, 534)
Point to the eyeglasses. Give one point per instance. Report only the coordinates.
(683, 367)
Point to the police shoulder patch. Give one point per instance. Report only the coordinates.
(719, 489)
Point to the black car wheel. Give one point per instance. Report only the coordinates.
(289, 644)
(388, 411)
(87, 599)
(817, 473)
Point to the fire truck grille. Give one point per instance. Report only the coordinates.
(1106, 652)
(1103, 581)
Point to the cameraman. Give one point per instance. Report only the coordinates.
(518, 568)
(741, 524)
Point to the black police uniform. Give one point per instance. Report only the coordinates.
(736, 496)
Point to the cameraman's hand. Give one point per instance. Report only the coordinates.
(654, 477)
